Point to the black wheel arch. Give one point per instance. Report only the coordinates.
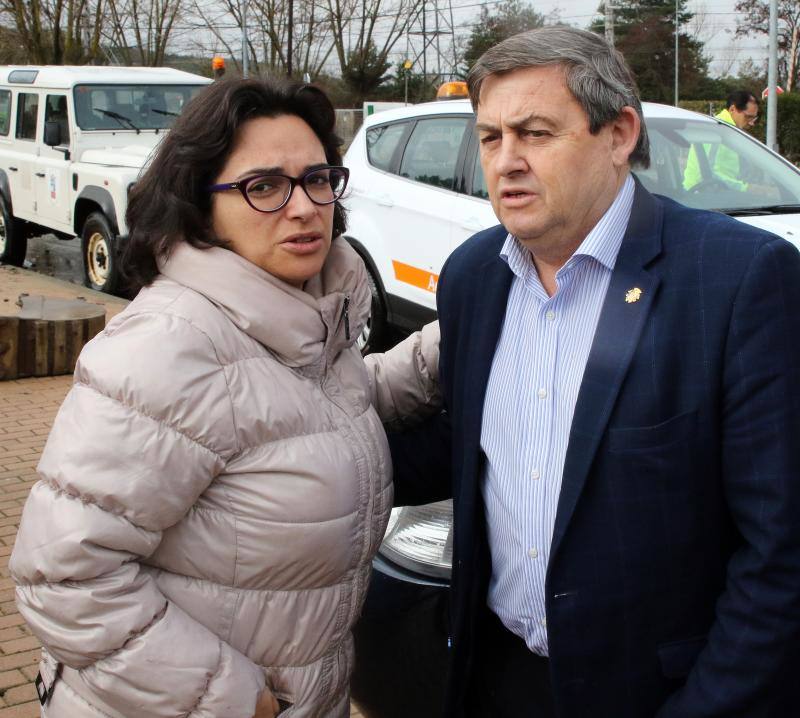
(5, 190)
(90, 200)
(373, 270)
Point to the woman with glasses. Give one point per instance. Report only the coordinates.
(218, 479)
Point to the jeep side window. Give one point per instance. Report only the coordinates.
(431, 154)
(5, 111)
(55, 110)
(27, 115)
(382, 141)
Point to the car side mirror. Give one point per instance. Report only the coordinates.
(52, 134)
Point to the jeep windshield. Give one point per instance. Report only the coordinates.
(714, 166)
(133, 107)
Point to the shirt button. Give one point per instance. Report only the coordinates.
(544, 622)
(542, 393)
(551, 315)
(533, 552)
(535, 475)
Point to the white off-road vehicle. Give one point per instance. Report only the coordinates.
(72, 142)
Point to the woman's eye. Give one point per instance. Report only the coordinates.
(317, 180)
(261, 187)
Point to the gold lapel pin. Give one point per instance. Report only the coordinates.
(633, 295)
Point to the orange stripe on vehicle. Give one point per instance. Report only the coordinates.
(415, 276)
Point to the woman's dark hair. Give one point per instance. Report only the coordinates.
(170, 202)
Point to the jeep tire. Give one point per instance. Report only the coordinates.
(100, 263)
(13, 242)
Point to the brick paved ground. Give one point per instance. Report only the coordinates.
(27, 410)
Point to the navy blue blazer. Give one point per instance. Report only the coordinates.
(673, 587)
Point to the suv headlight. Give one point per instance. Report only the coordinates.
(420, 538)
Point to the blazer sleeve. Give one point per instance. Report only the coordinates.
(142, 433)
(422, 462)
(752, 651)
(404, 381)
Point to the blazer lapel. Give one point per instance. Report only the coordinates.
(487, 319)
(625, 309)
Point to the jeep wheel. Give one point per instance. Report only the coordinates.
(373, 333)
(100, 266)
(13, 242)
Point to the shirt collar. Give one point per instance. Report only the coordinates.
(602, 243)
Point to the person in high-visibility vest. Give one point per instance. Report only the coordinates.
(741, 112)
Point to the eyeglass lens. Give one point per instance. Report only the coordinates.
(322, 186)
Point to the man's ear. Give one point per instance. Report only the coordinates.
(624, 135)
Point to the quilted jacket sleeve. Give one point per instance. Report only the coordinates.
(405, 380)
(144, 430)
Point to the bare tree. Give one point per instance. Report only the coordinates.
(140, 30)
(756, 21)
(56, 31)
(364, 34)
(267, 33)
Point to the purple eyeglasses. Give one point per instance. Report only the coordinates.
(271, 192)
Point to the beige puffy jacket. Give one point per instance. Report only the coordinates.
(212, 493)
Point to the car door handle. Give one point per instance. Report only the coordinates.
(40, 174)
(384, 200)
(13, 169)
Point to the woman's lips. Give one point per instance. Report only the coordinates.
(306, 244)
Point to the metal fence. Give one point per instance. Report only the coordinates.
(347, 124)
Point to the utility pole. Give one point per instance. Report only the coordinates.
(289, 43)
(443, 26)
(677, 34)
(424, 48)
(772, 78)
(244, 39)
(609, 12)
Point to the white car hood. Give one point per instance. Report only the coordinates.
(784, 225)
(132, 156)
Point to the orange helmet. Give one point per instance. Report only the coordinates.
(218, 63)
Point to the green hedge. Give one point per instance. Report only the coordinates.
(704, 107)
(788, 121)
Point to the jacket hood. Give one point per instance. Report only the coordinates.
(299, 326)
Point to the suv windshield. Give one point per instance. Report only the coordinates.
(143, 107)
(714, 166)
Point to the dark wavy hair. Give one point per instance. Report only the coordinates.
(170, 203)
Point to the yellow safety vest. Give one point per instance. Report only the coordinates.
(724, 162)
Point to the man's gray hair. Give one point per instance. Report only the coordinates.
(595, 73)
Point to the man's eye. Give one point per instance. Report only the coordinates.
(486, 139)
(536, 133)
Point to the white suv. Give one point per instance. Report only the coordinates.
(417, 191)
(72, 142)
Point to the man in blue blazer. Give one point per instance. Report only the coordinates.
(622, 429)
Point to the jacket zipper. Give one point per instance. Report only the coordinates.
(346, 316)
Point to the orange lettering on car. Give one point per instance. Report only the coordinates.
(415, 276)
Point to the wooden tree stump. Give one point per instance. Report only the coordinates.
(46, 336)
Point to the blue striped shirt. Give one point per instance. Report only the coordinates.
(530, 400)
